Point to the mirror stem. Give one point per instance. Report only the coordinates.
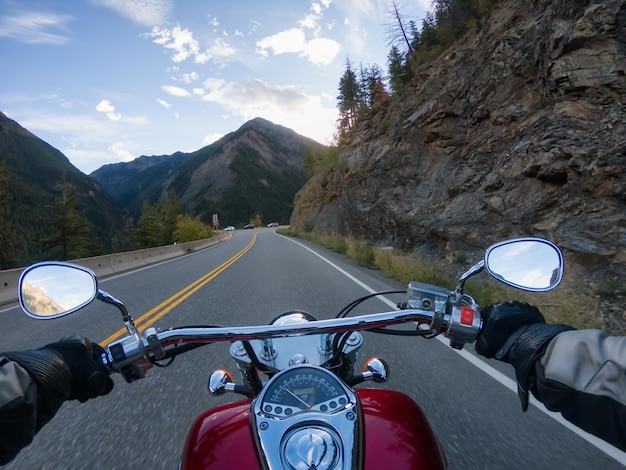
(478, 267)
(128, 320)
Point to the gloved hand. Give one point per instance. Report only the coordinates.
(89, 378)
(66, 370)
(502, 325)
(516, 332)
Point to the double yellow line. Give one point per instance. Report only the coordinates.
(166, 306)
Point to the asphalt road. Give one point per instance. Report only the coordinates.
(478, 421)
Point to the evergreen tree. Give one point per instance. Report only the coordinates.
(157, 224)
(170, 211)
(348, 99)
(399, 74)
(8, 239)
(370, 81)
(150, 232)
(72, 235)
(429, 37)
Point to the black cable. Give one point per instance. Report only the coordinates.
(384, 331)
(356, 302)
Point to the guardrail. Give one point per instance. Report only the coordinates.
(116, 263)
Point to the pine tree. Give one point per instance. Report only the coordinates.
(150, 231)
(170, 211)
(399, 74)
(348, 99)
(72, 235)
(370, 78)
(8, 239)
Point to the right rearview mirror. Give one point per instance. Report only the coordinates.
(531, 264)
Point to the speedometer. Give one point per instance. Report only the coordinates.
(303, 389)
(305, 417)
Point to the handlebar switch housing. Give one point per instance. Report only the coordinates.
(154, 345)
(126, 356)
(465, 322)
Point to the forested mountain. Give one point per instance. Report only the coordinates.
(130, 182)
(50, 209)
(253, 171)
(38, 184)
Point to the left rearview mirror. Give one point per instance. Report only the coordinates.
(53, 289)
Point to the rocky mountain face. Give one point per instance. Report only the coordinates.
(518, 130)
(255, 170)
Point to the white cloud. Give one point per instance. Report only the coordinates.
(254, 26)
(188, 77)
(61, 124)
(292, 40)
(217, 52)
(175, 91)
(209, 139)
(255, 96)
(316, 7)
(308, 115)
(106, 107)
(183, 45)
(164, 103)
(83, 138)
(123, 154)
(320, 51)
(145, 12)
(33, 28)
(310, 21)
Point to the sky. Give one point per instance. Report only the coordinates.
(106, 81)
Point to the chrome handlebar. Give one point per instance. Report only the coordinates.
(134, 354)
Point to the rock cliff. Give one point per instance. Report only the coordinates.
(518, 130)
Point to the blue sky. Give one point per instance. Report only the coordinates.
(106, 81)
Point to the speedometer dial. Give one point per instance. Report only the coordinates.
(303, 389)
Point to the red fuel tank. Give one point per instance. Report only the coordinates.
(396, 435)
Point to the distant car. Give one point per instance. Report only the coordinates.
(248, 226)
(273, 224)
(230, 228)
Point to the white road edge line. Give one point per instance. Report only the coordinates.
(603, 446)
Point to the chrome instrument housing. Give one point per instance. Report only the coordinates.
(328, 437)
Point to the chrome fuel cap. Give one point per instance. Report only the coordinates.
(311, 447)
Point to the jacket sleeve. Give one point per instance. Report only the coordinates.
(18, 409)
(582, 375)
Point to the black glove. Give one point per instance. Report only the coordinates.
(69, 369)
(89, 377)
(517, 333)
(502, 325)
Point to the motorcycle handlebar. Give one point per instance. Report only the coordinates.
(461, 324)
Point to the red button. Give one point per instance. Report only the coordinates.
(467, 315)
